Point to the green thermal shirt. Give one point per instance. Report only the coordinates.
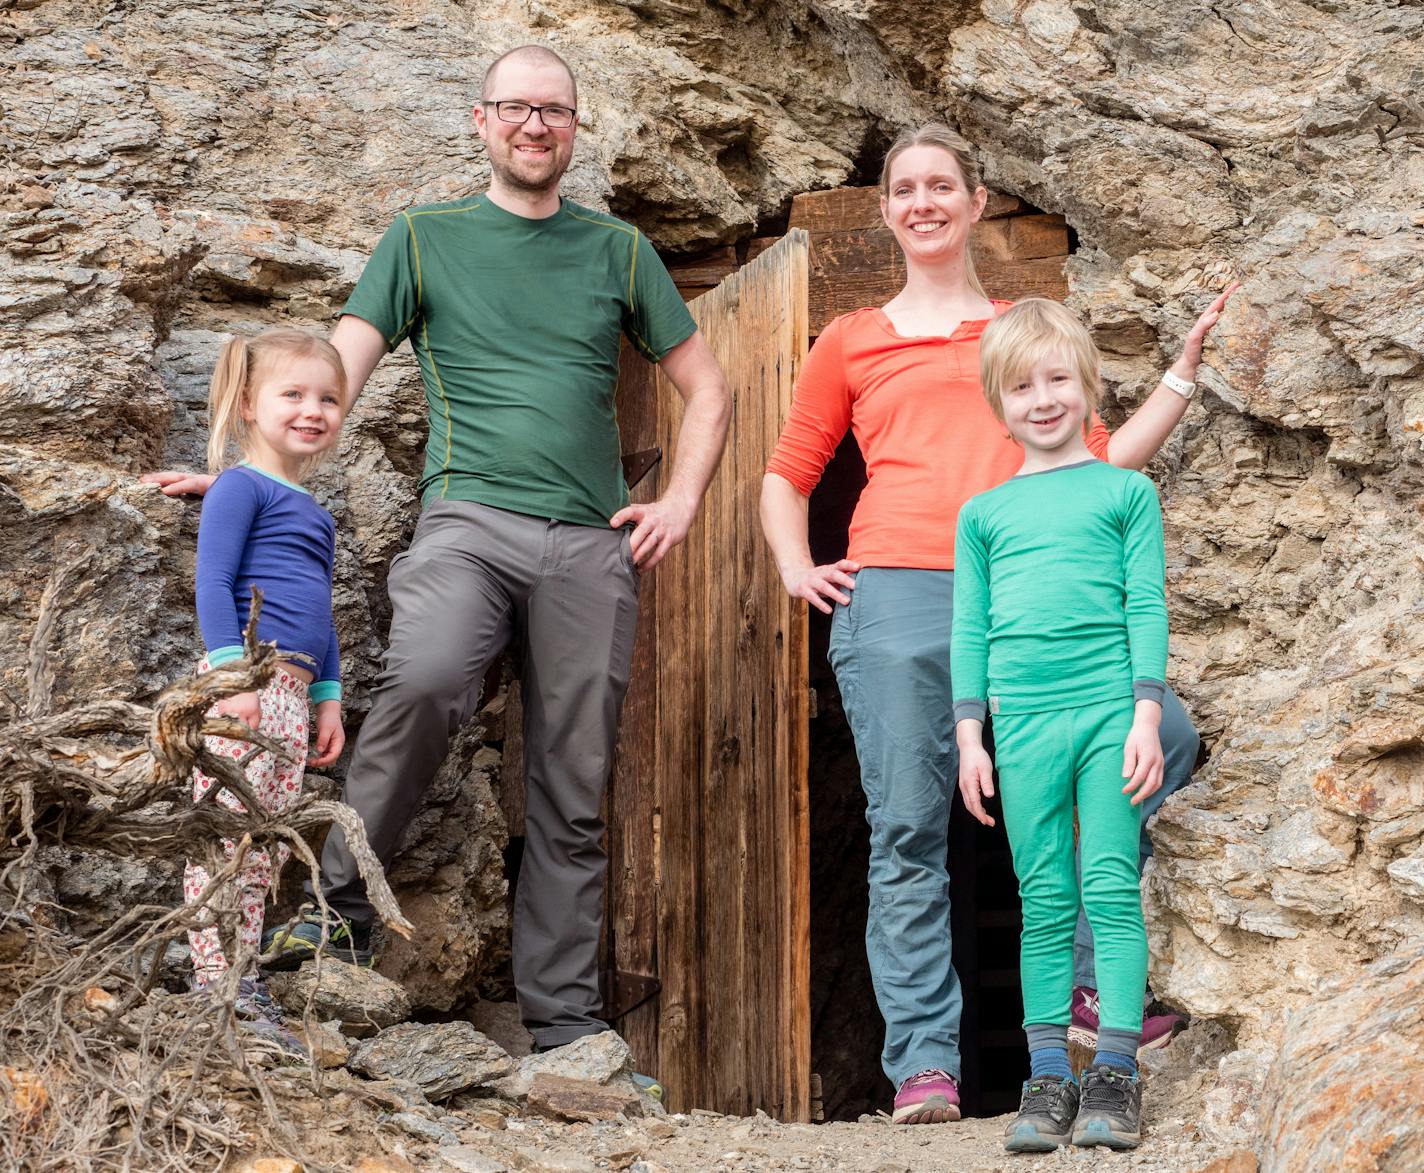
(1058, 593)
(516, 325)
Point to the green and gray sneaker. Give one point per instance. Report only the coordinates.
(1046, 1114)
(1111, 1111)
(286, 946)
(648, 1085)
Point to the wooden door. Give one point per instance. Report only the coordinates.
(708, 828)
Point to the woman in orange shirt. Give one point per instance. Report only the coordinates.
(905, 379)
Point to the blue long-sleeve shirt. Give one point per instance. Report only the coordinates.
(257, 529)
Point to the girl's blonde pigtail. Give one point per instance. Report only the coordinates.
(225, 398)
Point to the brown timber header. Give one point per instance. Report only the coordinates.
(1018, 252)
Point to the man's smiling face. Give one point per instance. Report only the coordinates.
(533, 157)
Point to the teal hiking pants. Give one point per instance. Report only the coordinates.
(1047, 763)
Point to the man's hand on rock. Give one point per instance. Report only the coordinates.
(178, 484)
(660, 525)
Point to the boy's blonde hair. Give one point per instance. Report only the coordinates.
(1023, 335)
(241, 364)
(934, 134)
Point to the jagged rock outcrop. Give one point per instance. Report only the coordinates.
(172, 172)
(1344, 1090)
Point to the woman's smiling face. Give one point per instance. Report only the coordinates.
(928, 207)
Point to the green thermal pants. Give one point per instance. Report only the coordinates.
(1047, 762)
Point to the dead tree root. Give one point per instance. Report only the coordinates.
(100, 1067)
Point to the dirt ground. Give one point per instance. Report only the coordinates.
(484, 1136)
(698, 1144)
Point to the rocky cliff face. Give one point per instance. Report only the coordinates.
(171, 172)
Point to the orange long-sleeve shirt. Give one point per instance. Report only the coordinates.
(918, 412)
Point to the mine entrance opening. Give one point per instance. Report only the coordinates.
(846, 1027)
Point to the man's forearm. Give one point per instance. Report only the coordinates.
(706, 413)
(361, 346)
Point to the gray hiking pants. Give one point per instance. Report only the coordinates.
(471, 577)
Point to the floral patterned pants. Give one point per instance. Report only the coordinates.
(286, 717)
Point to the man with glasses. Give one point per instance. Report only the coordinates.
(515, 301)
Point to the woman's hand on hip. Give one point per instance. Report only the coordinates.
(823, 585)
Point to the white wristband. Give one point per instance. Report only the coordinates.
(1179, 385)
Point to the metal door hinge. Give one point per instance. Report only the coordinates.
(624, 992)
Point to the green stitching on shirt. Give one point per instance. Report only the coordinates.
(632, 273)
(444, 403)
(419, 279)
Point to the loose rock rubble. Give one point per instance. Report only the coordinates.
(575, 1111)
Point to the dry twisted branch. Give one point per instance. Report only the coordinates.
(128, 1070)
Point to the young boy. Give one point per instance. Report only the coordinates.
(1060, 633)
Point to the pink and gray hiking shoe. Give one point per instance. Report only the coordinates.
(927, 1097)
(1157, 1029)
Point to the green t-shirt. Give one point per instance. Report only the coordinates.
(516, 325)
(1058, 593)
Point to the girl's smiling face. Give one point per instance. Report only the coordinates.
(928, 207)
(293, 413)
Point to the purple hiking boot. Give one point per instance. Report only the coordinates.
(1157, 1029)
(927, 1097)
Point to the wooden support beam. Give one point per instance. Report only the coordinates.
(844, 208)
(696, 275)
(854, 269)
(855, 262)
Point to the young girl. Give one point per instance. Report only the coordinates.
(1060, 633)
(279, 400)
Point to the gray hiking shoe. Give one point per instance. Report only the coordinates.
(1046, 1114)
(1111, 1109)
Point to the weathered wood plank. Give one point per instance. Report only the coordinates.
(631, 923)
(708, 269)
(682, 1051)
(734, 1023)
(1031, 237)
(792, 710)
(758, 245)
(851, 270)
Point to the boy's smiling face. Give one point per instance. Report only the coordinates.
(1045, 406)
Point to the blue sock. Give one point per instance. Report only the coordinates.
(1124, 1063)
(1049, 1061)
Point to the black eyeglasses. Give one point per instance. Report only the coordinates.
(554, 117)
